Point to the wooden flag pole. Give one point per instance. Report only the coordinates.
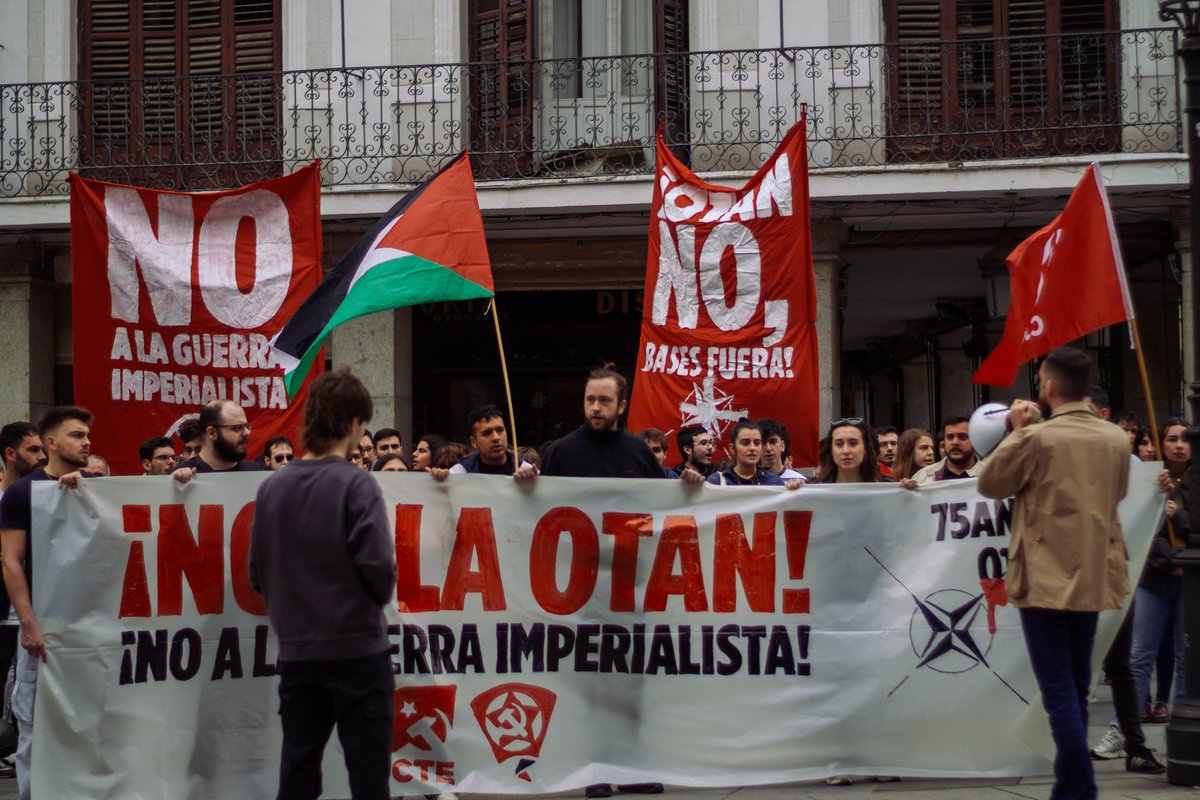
(1154, 438)
(512, 421)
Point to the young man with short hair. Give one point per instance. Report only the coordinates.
(22, 451)
(489, 440)
(157, 455)
(278, 453)
(776, 448)
(887, 441)
(696, 446)
(388, 441)
(191, 438)
(320, 531)
(66, 433)
(1066, 560)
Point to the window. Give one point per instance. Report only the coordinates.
(181, 93)
(557, 83)
(1001, 78)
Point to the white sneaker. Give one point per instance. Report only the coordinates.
(1111, 746)
(838, 780)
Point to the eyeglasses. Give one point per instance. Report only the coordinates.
(837, 423)
(240, 427)
(283, 458)
(163, 457)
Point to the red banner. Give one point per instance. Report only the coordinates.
(730, 314)
(175, 299)
(1067, 280)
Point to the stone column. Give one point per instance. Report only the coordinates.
(378, 348)
(828, 236)
(27, 328)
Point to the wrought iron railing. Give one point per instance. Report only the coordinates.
(867, 105)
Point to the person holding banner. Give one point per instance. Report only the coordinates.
(745, 441)
(848, 453)
(226, 433)
(1066, 562)
(324, 559)
(66, 435)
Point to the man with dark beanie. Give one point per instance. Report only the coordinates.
(323, 557)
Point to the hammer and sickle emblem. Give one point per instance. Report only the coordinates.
(516, 723)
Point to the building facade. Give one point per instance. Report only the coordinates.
(941, 133)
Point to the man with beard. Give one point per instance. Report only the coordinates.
(960, 460)
(65, 432)
(22, 450)
(489, 438)
(696, 447)
(388, 442)
(157, 455)
(601, 448)
(1066, 560)
(226, 436)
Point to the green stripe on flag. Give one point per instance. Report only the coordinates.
(407, 281)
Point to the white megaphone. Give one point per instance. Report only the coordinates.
(988, 427)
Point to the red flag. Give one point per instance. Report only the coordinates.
(729, 328)
(1068, 279)
(176, 298)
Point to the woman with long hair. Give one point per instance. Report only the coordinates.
(848, 453)
(1143, 445)
(1158, 600)
(423, 454)
(744, 469)
(914, 451)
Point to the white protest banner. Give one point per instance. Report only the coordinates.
(702, 636)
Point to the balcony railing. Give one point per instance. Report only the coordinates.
(867, 105)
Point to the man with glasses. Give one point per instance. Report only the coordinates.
(960, 461)
(696, 447)
(278, 452)
(157, 455)
(226, 435)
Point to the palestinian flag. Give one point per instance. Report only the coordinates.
(428, 248)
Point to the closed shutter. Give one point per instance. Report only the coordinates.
(165, 95)
(671, 73)
(501, 76)
(999, 78)
(917, 77)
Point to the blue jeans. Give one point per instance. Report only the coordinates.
(1157, 613)
(1060, 650)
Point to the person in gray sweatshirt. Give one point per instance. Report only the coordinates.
(323, 558)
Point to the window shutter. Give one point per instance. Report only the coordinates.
(917, 81)
(671, 73)
(501, 49)
(158, 96)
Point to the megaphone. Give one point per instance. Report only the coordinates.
(988, 427)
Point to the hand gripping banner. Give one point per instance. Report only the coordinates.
(701, 636)
(729, 329)
(176, 297)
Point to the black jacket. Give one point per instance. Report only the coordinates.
(585, 453)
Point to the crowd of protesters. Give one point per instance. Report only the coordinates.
(220, 439)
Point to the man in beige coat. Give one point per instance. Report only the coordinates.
(1066, 562)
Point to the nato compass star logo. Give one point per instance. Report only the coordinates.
(945, 631)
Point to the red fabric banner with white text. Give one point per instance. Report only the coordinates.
(176, 297)
(729, 326)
